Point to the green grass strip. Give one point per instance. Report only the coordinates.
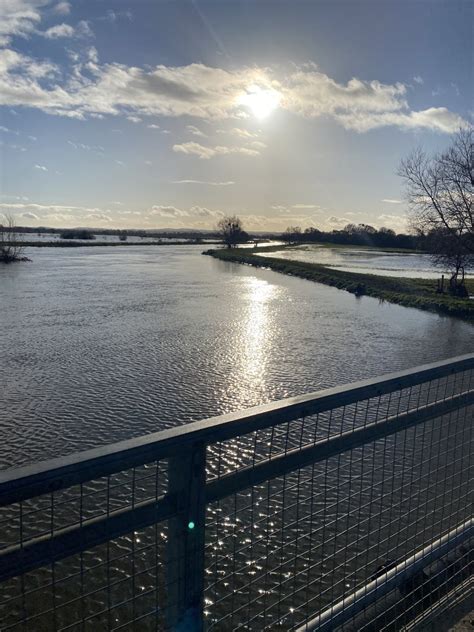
(419, 293)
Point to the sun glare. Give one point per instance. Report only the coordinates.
(261, 101)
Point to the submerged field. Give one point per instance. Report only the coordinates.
(410, 292)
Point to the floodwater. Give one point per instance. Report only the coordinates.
(100, 345)
(365, 261)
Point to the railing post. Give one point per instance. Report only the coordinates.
(186, 540)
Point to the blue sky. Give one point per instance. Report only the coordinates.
(170, 114)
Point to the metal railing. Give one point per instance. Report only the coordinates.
(346, 509)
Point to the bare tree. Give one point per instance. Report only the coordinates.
(292, 235)
(11, 248)
(440, 194)
(231, 231)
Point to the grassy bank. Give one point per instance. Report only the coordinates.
(420, 293)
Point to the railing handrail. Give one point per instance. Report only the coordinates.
(59, 473)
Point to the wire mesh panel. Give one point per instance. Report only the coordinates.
(344, 510)
(282, 551)
(107, 586)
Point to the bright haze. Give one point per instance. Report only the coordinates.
(171, 114)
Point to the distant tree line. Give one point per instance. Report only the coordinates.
(77, 233)
(356, 235)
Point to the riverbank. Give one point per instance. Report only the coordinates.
(419, 293)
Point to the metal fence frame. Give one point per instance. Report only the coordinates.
(189, 492)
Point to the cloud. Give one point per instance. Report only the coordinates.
(306, 206)
(153, 126)
(7, 130)
(167, 211)
(392, 201)
(213, 184)
(314, 94)
(204, 92)
(95, 148)
(396, 222)
(56, 212)
(100, 217)
(83, 29)
(113, 16)
(194, 216)
(205, 153)
(66, 30)
(434, 119)
(195, 130)
(63, 8)
(41, 168)
(19, 18)
(60, 30)
(337, 222)
(238, 131)
(419, 80)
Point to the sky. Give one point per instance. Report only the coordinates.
(153, 114)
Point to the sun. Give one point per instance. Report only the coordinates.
(261, 101)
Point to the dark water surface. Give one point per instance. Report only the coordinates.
(99, 345)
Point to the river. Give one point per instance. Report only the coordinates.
(102, 344)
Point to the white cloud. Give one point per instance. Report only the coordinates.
(167, 211)
(153, 126)
(392, 201)
(194, 216)
(435, 119)
(337, 222)
(205, 153)
(398, 223)
(238, 131)
(313, 94)
(419, 80)
(305, 206)
(113, 16)
(7, 130)
(63, 8)
(41, 168)
(19, 18)
(83, 29)
(195, 130)
(63, 215)
(100, 217)
(134, 119)
(204, 92)
(59, 30)
(207, 182)
(95, 148)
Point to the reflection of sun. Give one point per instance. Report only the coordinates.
(261, 101)
(257, 328)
